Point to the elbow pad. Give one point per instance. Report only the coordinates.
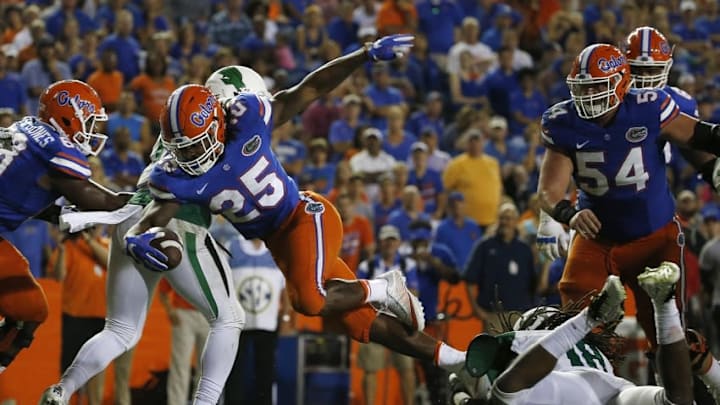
(706, 137)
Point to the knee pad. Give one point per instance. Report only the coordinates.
(15, 336)
(126, 334)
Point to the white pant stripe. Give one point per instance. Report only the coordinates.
(320, 249)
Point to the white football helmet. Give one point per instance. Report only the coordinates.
(533, 318)
(229, 81)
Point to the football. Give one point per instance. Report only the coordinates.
(169, 243)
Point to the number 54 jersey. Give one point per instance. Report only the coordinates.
(247, 185)
(620, 168)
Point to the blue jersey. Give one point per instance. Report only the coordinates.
(29, 151)
(247, 185)
(620, 168)
(685, 102)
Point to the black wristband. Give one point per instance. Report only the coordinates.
(706, 172)
(563, 212)
(706, 137)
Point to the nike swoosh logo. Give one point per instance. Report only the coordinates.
(581, 145)
(200, 191)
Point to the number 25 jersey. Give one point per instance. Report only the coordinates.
(620, 168)
(247, 185)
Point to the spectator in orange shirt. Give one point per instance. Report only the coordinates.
(189, 331)
(153, 87)
(13, 23)
(396, 17)
(79, 263)
(107, 81)
(358, 239)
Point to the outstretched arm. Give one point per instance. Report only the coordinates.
(288, 103)
(87, 194)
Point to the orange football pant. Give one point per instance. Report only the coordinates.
(591, 261)
(306, 248)
(21, 297)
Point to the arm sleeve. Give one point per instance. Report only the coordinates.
(669, 109)
(65, 158)
(248, 108)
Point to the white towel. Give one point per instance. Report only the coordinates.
(78, 220)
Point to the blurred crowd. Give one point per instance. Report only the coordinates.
(443, 145)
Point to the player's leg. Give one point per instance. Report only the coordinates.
(586, 270)
(181, 350)
(371, 359)
(22, 303)
(203, 278)
(306, 249)
(533, 365)
(129, 292)
(672, 350)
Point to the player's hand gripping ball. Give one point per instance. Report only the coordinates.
(158, 249)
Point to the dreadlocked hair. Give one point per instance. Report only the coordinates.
(603, 337)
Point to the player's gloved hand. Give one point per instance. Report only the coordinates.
(552, 240)
(391, 47)
(138, 247)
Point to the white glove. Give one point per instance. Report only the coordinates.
(552, 239)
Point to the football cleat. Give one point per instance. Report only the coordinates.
(55, 395)
(608, 305)
(401, 302)
(659, 282)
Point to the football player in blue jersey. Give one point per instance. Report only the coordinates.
(42, 159)
(609, 138)
(221, 159)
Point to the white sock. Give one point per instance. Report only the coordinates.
(712, 377)
(565, 336)
(449, 358)
(377, 290)
(667, 323)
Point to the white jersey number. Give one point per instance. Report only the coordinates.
(267, 191)
(631, 173)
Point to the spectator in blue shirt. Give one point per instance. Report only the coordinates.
(710, 22)
(527, 103)
(386, 202)
(439, 21)
(379, 96)
(409, 211)
(39, 73)
(437, 159)
(342, 131)
(137, 125)
(121, 164)
(428, 181)
(321, 172)
(433, 76)
(496, 145)
(435, 262)
(694, 37)
(502, 82)
(502, 268)
(230, 26)
(68, 9)
(126, 47)
(397, 140)
(342, 28)
(13, 94)
(494, 35)
(458, 231)
(431, 115)
(107, 13)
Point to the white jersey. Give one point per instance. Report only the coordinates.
(583, 376)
